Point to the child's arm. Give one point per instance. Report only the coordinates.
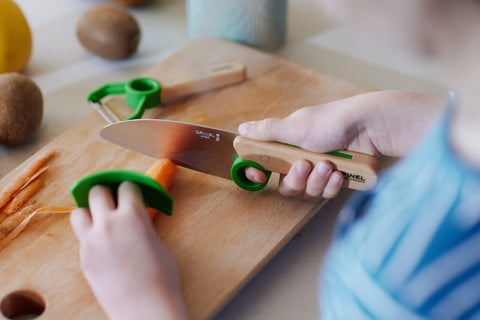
(387, 123)
(130, 271)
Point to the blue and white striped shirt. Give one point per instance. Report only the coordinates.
(410, 248)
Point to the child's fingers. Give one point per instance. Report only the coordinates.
(318, 179)
(130, 197)
(255, 175)
(81, 221)
(101, 202)
(295, 181)
(334, 185)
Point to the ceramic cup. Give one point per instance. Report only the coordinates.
(257, 23)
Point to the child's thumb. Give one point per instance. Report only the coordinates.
(271, 129)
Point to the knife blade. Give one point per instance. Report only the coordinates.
(200, 148)
(214, 151)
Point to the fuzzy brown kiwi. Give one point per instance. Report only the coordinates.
(21, 108)
(109, 31)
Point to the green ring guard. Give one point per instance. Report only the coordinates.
(140, 93)
(154, 195)
(237, 172)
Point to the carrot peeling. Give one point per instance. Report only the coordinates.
(25, 175)
(33, 177)
(3, 215)
(163, 171)
(23, 195)
(22, 221)
(14, 220)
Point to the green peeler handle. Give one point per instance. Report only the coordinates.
(153, 194)
(237, 172)
(140, 93)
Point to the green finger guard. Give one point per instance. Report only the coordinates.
(237, 172)
(140, 93)
(154, 195)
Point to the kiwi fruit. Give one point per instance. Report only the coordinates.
(109, 32)
(21, 108)
(131, 3)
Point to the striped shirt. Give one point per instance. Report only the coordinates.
(410, 248)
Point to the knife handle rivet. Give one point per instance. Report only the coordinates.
(264, 158)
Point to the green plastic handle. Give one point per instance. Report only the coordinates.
(237, 172)
(154, 194)
(140, 93)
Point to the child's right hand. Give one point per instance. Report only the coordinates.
(383, 123)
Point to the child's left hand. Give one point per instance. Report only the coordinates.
(130, 271)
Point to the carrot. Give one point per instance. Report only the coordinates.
(163, 171)
(23, 195)
(24, 176)
(21, 222)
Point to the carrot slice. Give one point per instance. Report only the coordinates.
(23, 221)
(30, 169)
(163, 171)
(23, 195)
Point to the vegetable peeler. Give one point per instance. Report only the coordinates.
(146, 93)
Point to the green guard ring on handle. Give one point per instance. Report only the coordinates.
(140, 93)
(154, 195)
(237, 172)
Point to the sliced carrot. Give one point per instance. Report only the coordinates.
(28, 171)
(23, 195)
(163, 171)
(22, 223)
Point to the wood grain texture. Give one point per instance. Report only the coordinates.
(197, 81)
(219, 234)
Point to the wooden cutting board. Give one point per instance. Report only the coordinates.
(220, 235)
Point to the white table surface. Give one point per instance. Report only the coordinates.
(287, 287)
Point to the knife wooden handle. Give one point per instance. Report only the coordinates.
(360, 170)
(213, 77)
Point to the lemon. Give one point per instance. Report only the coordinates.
(15, 38)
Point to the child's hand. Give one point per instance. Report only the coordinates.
(303, 179)
(130, 271)
(385, 123)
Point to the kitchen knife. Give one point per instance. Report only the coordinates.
(226, 154)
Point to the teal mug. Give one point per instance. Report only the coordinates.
(257, 23)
